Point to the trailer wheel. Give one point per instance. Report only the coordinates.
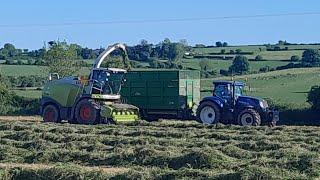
(51, 114)
(208, 113)
(249, 117)
(86, 112)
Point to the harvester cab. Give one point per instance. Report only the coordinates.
(89, 99)
(229, 105)
(106, 83)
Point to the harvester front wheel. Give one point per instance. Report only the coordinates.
(51, 114)
(86, 112)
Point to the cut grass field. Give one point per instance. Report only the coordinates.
(157, 150)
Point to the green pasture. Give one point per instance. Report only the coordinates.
(224, 64)
(283, 55)
(29, 70)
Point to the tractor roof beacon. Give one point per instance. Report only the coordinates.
(228, 105)
(89, 99)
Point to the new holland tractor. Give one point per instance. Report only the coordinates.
(228, 105)
(89, 99)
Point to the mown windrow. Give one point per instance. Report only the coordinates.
(174, 149)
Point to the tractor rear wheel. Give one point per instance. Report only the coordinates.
(51, 114)
(86, 112)
(249, 117)
(208, 113)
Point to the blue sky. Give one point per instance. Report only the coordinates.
(235, 31)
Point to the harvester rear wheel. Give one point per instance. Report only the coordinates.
(51, 114)
(86, 112)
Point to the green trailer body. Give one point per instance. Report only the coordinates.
(163, 92)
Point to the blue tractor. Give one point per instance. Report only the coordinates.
(228, 105)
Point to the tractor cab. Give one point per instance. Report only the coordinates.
(229, 91)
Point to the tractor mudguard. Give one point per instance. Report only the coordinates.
(213, 99)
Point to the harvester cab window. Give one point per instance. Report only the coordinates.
(115, 82)
(100, 82)
(107, 82)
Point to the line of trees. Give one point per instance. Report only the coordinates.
(142, 52)
(164, 50)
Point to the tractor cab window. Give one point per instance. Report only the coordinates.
(223, 91)
(238, 91)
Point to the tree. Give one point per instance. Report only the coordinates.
(6, 97)
(277, 48)
(258, 58)
(87, 53)
(62, 58)
(281, 42)
(9, 62)
(9, 46)
(9, 50)
(143, 42)
(314, 97)
(295, 58)
(184, 42)
(176, 51)
(200, 46)
(240, 65)
(225, 44)
(204, 64)
(219, 44)
(20, 62)
(115, 62)
(165, 48)
(78, 49)
(154, 64)
(238, 51)
(311, 57)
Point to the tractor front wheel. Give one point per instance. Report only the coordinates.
(86, 112)
(249, 117)
(51, 114)
(208, 113)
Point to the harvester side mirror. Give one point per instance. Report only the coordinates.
(53, 76)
